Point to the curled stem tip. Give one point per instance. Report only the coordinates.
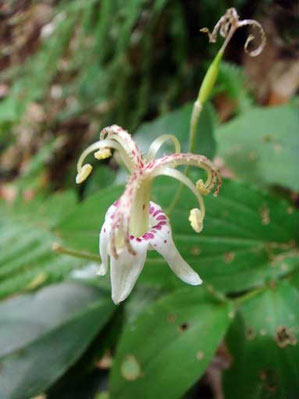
(228, 24)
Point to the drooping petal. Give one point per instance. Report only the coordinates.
(103, 246)
(104, 240)
(125, 270)
(160, 238)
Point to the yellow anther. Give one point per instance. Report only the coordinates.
(196, 220)
(84, 173)
(200, 185)
(103, 154)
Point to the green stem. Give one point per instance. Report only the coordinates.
(203, 95)
(77, 254)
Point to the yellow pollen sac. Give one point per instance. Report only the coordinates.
(84, 173)
(202, 187)
(195, 219)
(103, 154)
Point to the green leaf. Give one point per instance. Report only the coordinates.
(26, 257)
(43, 334)
(177, 123)
(248, 237)
(262, 145)
(264, 346)
(80, 230)
(167, 348)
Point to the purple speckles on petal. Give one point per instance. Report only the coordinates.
(165, 241)
(139, 239)
(131, 237)
(151, 210)
(157, 212)
(104, 230)
(161, 217)
(148, 236)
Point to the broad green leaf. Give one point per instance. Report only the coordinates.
(167, 348)
(248, 236)
(26, 257)
(80, 229)
(43, 334)
(177, 123)
(262, 145)
(263, 343)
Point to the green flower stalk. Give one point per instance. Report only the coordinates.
(226, 26)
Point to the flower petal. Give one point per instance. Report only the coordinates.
(125, 270)
(103, 246)
(104, 240)
(122, 214)
(160, 238)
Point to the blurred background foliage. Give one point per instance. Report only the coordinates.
(69, 68)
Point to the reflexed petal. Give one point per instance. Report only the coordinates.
(125, 270)
(160, 238)
(177, 264)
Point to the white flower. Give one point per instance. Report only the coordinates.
(133, 224)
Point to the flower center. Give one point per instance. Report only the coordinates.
(156, 221)
(139, 220)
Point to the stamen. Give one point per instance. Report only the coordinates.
(103, 154)
(93, 147)
(83, 173)
(196, 220)
(202, 187)
(156, 145)
(185, 180)
(199, 161)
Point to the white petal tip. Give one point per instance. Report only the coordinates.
(101, 270)
(117, 300)
(195, 280)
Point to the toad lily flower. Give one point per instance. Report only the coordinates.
(134, 224)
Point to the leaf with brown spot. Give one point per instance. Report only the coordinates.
(267, 361)
(171, 356)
